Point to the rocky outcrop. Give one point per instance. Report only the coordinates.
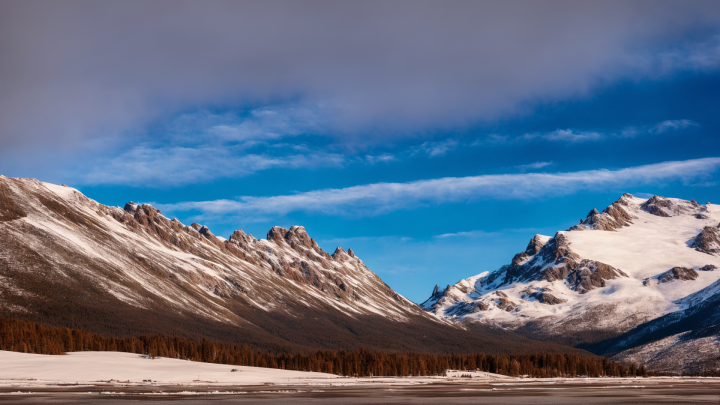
(536, 243)
(659, 206)
(708, 241)
(708, 267)
(556, 261)
(678, 273)
(591, 274)
(611, 218)
(543, 296)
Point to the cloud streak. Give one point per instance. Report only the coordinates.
(173, 166)
(672, 125)
(570, 135)
(381, 198)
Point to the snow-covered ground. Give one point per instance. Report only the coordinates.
(93, 367)
(18, 370)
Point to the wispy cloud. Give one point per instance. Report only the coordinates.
(160, 167)
(468, 234)
(672, 125)
(379, 198)
(566, 135)
(433, 149)
(536, 165)
(383, 158)
(570, 135)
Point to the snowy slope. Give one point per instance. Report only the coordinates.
(89, 367)
(70, 261)
(123, 241)
(617, 269)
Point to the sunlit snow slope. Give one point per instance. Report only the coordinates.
(618, 269)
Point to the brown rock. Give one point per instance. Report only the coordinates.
(678, 273)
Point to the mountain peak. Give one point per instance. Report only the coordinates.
(612, 218)
(277, 234)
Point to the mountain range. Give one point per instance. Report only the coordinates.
(638, 282)
(66, 260)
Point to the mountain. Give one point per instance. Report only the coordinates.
(66, 260)
(640, 271)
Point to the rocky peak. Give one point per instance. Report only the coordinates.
(557, 248)
(625, 199)
(205, 231)
(298, 235)
(555, 261)
(351, 253)
(277, 234)
(611, 218)
(240, 238)
(131, 208)
(339, 253)
(536, 243)
(660, 206)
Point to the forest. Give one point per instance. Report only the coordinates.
(32, 337)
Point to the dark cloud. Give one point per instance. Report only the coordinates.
(77, 72)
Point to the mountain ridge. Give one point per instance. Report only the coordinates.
(66, 260)
(617, 274)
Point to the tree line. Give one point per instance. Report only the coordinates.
(32, 337)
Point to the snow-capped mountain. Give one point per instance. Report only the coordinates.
(637, 261)
(70, 261)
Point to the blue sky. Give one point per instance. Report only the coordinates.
(433, 155)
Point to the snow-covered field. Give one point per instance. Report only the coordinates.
(111, 377)
(93, 367)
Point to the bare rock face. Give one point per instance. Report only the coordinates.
(590, 274)
(240, 238)
(543, 296)
(611, 218)
(536, 243)
(556, 261)
(678, 273)
(277, 234)
(708, 241)
(709, 267)
(340, 254)
(658, 206)
(10, 210)
(547, 298)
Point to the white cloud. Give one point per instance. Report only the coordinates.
(383, 158)
(672, 125)
(379, 198)
(160, 167)
(468, 234)
(575, 136)
(536, 165)
(568, 135)
(433, 149)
